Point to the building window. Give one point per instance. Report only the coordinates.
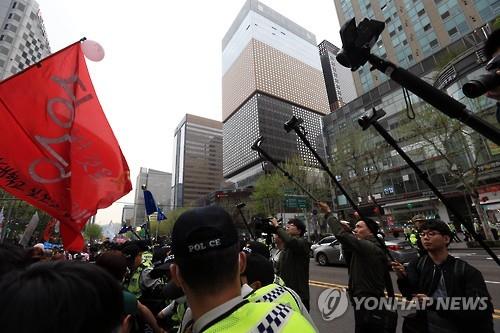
(452, 31)
(445, 15)
(14, 5)
(433, 43)
(427, 27)
(422, 12)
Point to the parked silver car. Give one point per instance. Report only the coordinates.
(323, 241)
(331, 253)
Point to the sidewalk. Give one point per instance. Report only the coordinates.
(463, 246)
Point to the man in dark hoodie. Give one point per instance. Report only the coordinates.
(368, 267)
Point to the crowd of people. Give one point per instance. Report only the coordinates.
(208, 280)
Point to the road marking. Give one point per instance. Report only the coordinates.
(494, 282)
(326, 285)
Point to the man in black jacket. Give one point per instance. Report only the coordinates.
(293, 266)
(368, 269)
(437, 279)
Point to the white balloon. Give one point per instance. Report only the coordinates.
(92, 50)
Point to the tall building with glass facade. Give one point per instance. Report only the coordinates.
(271, 70)
(414, 29)
(158, 183)
(338, 79)
(23, 40)
(441, 42)
(197, 160)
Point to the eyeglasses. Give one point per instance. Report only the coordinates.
(429, 233)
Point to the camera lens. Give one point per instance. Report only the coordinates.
(476, 88)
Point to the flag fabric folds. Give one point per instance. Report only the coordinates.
(161, 216)
(58, 151)
(149, 201)
(49, 229)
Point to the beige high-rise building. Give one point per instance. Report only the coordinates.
(414, 29)
(197, 160)
(271, 71)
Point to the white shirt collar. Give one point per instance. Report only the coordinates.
(216, 312)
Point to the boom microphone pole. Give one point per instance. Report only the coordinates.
(239, 207)
(256, 146)
(295, 124)
(356, 44)
(365, 122)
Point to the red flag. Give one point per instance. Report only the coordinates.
(57, 150)
(49, 228)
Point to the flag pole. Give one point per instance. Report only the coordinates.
(157, 223)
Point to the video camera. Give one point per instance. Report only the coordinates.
(484, 83)
(263, 225)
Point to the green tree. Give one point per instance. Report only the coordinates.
(267, 197)
(462, 151)
(165, 226)
(92, 232)
(357, 158)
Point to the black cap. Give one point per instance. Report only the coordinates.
(259, 269)
(203, 230)
(299, 224)
(130, 250)
(162, 268)
(257, 248)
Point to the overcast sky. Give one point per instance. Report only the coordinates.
(163, 60)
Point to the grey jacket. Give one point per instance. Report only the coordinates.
(368, 263)
(294, 264)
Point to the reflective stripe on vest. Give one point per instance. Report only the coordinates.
(134, 286)
(262, 317)
(274, 293)
(147, 259)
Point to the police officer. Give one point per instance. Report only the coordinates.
(257, 285)
(207, 266)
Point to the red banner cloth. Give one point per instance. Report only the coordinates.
(49, 228)
(57, 150)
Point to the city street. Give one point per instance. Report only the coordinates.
(336, 276)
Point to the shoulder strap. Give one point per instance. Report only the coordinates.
(459, 269)
(388, 284)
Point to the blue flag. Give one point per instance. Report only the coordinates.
(149, 201)
(161, 216)
(124, 229)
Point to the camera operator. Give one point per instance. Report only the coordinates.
(368, 269)
(293, 265)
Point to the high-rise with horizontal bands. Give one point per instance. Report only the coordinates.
(197, 161)
(414, 29)
(271, 70)
(23, 40)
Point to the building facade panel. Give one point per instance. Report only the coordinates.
(415, 29)
(199, 171)
(238, 83)
(264, 115)
(285, 77)
(23, 39)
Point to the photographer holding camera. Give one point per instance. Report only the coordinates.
(293, 266)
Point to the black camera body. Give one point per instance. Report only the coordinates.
(483, 83)
(263, 225)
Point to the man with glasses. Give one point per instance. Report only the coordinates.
(438, 275)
